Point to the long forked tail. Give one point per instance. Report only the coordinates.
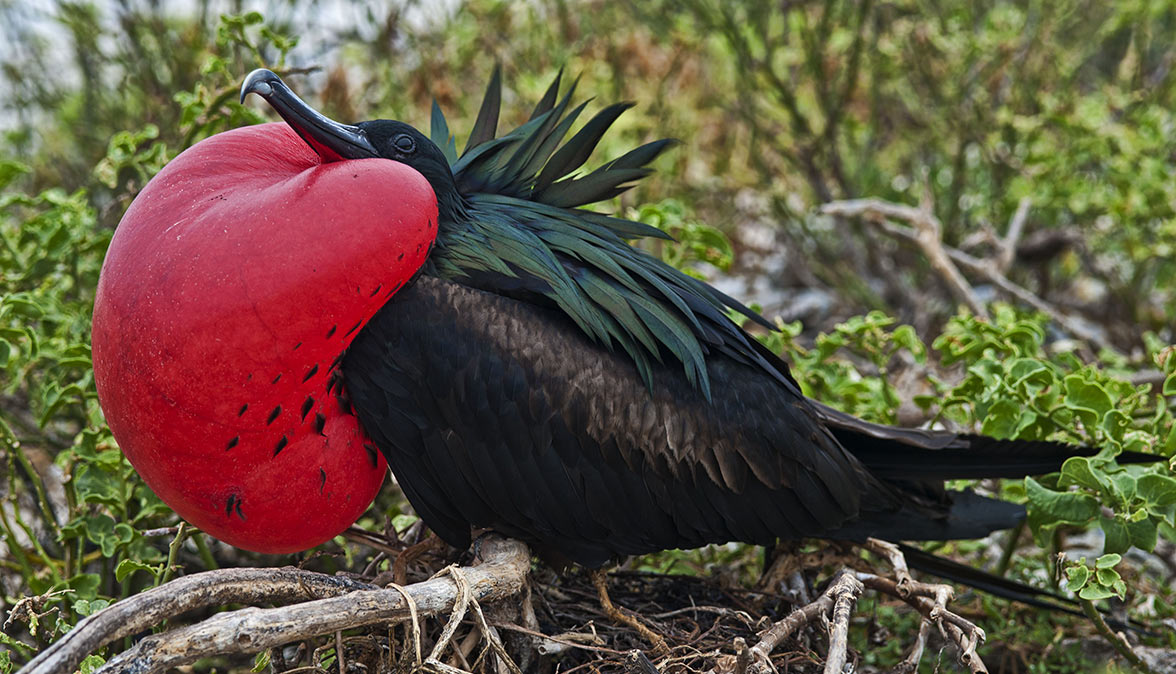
(914, 454)
(921, 459)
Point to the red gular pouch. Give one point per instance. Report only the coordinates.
(231, 289)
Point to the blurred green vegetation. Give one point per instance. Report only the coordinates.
(963, 108)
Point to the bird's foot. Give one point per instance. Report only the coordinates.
(600, 580)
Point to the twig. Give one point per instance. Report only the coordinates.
(1149, 376)
(851, 588)
(161, 531)
(876, 211)
(374, 541)
(173, 551)
(927, 233)
(910, 664)
(897, 561)
(251, 629)
(930, 599)
(201, 590)
(843, 584)
(491, 635)
(414, 622)
(455, 617)
(1008, 245)
(565, 639)
(1116, 640)
(339, 652)
(742, 655)
(600, 580)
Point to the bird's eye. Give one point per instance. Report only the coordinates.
(404, 143)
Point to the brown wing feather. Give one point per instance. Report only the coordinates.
(497, 413)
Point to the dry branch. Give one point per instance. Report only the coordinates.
(837, 601)
(201, 590)
(1008, 245)
(930, 600)
(347, 604)
(879, 212)
(849, 589)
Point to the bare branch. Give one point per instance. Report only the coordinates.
(1008, 245)
(850, 589)
(930, 600)
(837, 599)
(347, 604)
(877, 212)
(927, 234)
(201, 590)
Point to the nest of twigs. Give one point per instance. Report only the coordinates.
(500, 613)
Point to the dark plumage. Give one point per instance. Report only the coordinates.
(547, 379)
(520, 422)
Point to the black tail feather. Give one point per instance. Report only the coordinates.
(969, 516)
(918, 454)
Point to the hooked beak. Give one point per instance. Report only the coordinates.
(329, 139)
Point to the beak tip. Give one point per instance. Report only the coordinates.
(331, 140)
(259, 82)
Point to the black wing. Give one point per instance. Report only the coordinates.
(497, 413)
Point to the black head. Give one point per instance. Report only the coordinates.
(382, 138)
(403, 143)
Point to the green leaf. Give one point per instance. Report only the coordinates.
(1072, 507)
(1095, 592)
(1143, 534)
(1167, 530)
(1088, 399)
(90, 664)
(1120, 588)
(1006, 419)
(1158, 490)
(1106, 577)
(1077, 576)
(9, 641)
(1169, 388)
(128, 566)
(1108, 561)
(124, 532)
(86, 607)
(1078, 470)
(1116, 536)
(100, 530)
(85, 585)
(11, 170)
(1124, 486)
(1116, 423)
(1025, 371)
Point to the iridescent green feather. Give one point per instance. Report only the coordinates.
(524, 232)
